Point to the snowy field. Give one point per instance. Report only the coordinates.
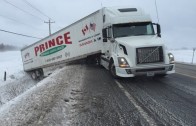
(17, 81)
(11, 62)
(184, 56)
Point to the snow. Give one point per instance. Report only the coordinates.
(31, 103)
(24, 101)
(11, 62)
(45, 102)
(184, 56)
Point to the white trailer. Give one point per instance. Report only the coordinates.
(123, 38)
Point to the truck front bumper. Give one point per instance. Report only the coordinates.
(145, 70)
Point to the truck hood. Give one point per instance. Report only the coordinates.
(140, 41)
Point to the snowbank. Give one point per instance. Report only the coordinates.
(31, 105)
(184, 56)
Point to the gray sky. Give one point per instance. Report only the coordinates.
(177, 18)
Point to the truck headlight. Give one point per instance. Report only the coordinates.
(171, 58)
(122, 62)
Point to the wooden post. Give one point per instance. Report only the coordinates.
(193, 54)
(5, 76)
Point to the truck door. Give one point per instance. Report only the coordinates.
(107, 44)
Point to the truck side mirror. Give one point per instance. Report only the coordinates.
(158, 30)
(104, 34)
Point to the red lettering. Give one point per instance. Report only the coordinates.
(46, 45)
(59, 40)
(67, 38)
(51, 43)
(41, 47)
(36, 50)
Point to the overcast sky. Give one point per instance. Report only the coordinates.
(177, 18)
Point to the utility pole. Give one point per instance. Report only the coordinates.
(49, 22)
(157, 11)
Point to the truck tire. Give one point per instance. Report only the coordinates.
(37, 74)
(41, 72)
(33, 75)
(112, 69)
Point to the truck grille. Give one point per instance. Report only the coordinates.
(149, 54)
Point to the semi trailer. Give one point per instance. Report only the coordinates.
(124, 40)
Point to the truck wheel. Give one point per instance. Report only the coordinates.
(33, 75)
(41, 72)
(37, 72)
(112, 69)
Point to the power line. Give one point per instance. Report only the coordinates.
(29, 4)
(28, 12)
(22, 10)
(11, 19)
(18, 22)
(19, 34)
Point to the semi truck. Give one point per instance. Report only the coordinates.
(124, 40)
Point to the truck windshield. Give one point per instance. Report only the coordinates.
(133, 29)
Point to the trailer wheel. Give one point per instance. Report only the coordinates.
(112, 69)
(37, 72)
(41, 72)
(33, 75)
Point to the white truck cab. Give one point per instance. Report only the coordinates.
(131, 46)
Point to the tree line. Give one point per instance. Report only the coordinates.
(4, 47)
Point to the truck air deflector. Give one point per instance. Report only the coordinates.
(128, 10)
